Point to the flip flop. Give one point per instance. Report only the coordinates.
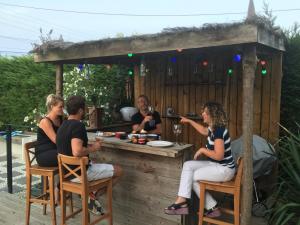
(177, 209)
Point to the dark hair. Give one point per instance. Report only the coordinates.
(144, 97)
(74, 103)
(217, 114)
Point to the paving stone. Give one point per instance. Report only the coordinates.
(17, 164)
(22, 180)
(15, 173)
(16, 189)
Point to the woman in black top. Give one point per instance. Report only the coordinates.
(46, 151)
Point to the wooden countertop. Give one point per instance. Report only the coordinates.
(112, 142)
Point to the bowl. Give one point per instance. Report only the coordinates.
(128, 112)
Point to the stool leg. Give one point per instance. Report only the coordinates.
(109, 202)
(28, 197)
(52, 199)
(236, 208)
(85, 211)
(45, 181)
(71, 202)
(201, 205)
(63, 206)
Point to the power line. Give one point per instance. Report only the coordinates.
(15, 38)
(30, 21)
(140, 15)
(15, 52)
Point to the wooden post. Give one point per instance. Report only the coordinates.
(137, 86)
(59, 79)
(249, 66)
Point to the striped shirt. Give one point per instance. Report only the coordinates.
(221, 133)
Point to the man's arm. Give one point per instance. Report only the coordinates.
(79, 150)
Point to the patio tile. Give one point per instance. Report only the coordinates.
(15, 173)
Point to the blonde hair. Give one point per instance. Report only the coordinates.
(53, 100)
(217, 114)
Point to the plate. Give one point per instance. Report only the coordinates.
(105, 134)
(159, 143)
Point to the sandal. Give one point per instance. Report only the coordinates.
(213, 212)
(177, 209)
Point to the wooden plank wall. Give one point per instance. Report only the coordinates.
(186, 92)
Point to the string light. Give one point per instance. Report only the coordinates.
(205, 63)
(130, 55)
(264, 72)
(229, 71)
(173, 59)
(130, 72)
(263, 64)
(237, 58)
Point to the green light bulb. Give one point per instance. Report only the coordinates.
(130, 72)
(229, 72)
(130, 55)
(263, 72)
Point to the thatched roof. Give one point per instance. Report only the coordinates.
(256, 30)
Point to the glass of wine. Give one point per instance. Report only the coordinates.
(150, 113)
(150, 110)
(177, 129)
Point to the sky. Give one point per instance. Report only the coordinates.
(20, 26)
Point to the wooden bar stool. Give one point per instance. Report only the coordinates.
(75, 167)
(232, 187)
(47, 174)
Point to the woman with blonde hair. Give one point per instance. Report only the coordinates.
(46, 151)
(218, 168)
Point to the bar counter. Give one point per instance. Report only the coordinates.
(149, 183)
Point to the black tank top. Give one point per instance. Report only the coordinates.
(44, 143)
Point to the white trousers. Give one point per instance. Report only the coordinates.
(196, 170)
(97, 171)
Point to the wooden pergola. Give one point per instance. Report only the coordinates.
(252, 100)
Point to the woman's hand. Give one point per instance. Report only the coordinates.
(198, 153)
(184, 120)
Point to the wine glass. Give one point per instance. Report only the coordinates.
(150, 110)
(177, 129)
(150, 113)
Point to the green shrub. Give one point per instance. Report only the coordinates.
(286, 209)
(24, 86)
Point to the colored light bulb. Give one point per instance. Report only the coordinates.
(263, 72)
(263, 62)
(130, 55)
(130, 72)
(173, 59)
(237, 58)
(230, 71)
(205, 63)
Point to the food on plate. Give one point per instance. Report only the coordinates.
(143, 131)
(105, 134)
(134, 139)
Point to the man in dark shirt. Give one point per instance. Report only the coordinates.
(144, 119)
(72, 140)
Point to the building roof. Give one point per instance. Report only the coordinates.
(210, 35)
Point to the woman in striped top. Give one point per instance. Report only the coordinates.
(219, 167)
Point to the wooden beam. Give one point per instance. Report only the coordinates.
(59, 79)
(275, 96)
(249, 66)
(168, 41)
